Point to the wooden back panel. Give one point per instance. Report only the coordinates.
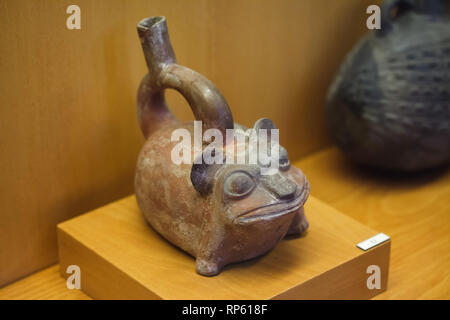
(68, 131)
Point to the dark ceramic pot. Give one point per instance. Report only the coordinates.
(388, 105)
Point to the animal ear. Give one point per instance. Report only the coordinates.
(203, 176)
(264, 123)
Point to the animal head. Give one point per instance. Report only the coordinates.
(247, 192)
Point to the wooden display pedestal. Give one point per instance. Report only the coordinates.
(121, 257)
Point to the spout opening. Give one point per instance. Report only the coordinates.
(155, 43)
(148, 23)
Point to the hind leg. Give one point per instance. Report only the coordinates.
(299, 223)
(210, 260)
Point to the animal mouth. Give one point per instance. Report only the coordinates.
(271, 211)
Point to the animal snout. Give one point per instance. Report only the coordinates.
(282, 187)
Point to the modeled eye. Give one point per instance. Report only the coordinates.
(238, 184)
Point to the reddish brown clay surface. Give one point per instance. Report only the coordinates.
(218, 213)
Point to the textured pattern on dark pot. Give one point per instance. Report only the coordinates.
(389, 103)
(219, 214)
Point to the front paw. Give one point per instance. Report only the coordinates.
(299, 224)
(298, 228)
(302, 226)
(207, 268)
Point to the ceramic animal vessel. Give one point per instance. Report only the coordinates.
(389, 104)
(218, 213)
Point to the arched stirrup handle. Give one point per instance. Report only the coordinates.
(205, 100)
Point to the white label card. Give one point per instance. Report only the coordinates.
(372, 242)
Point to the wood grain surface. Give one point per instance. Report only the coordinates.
(42, 285)
(121, 257)
(414, 210)
(68, 130)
